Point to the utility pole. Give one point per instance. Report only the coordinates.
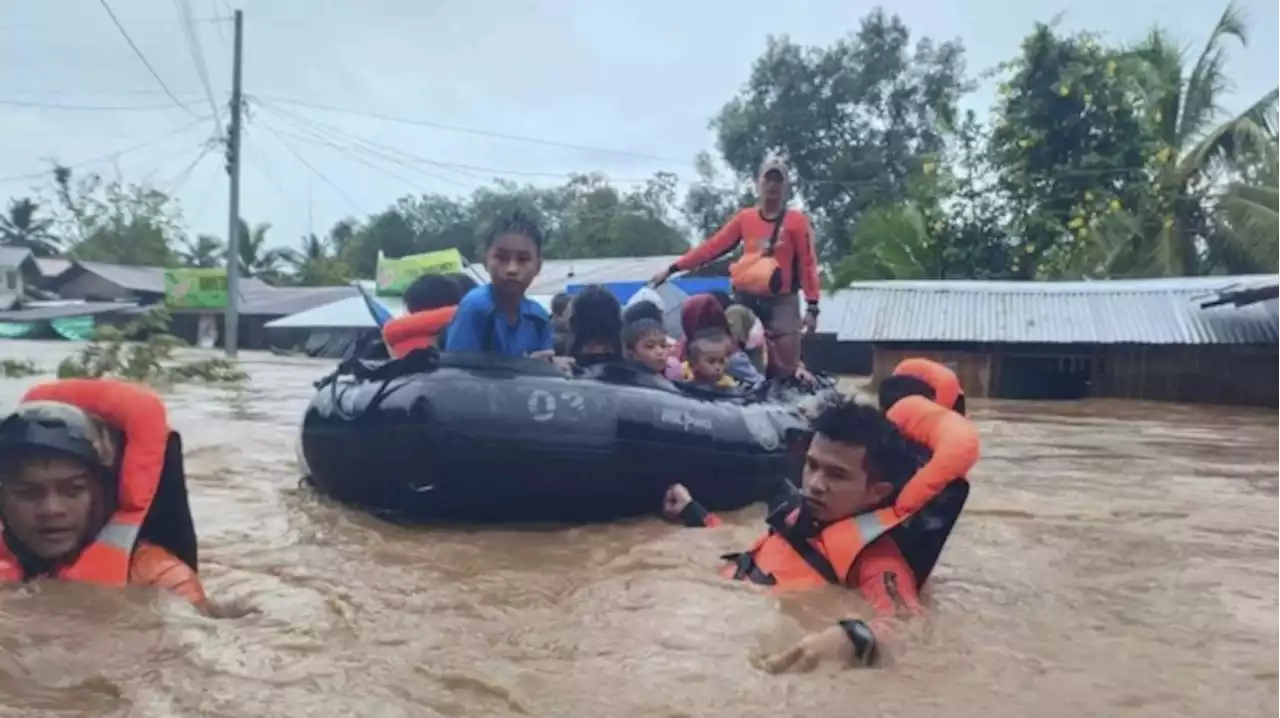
(231, 321)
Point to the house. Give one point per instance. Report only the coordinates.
(1163, 339)
(18, 272)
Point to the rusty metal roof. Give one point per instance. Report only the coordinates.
(1138, 311)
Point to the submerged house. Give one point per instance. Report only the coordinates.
(1163, 339)
(92, 293)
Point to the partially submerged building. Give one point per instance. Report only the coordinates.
(1164, 339)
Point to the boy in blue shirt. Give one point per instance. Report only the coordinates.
(497, 318)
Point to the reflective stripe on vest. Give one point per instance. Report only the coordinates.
(773, 561)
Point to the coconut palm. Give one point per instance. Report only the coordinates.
(204, 253)
(315, 263)
(1248, 224)
(22, 227)
(256, 259)
(1199, 149)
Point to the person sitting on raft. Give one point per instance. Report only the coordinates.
(643, 322)
(432, 300)
(861, 490)
(92, 489)
(646, 344)
(595, 327)
(706, 312)
(498, 318)
(708, 354)
(560, 305)
(748, 362)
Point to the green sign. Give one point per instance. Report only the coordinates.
(395, 275)
(195, 288)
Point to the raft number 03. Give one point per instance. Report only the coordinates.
(542, 404)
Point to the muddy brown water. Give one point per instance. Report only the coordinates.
(1116, 559)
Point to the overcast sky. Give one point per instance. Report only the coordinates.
(626, 88)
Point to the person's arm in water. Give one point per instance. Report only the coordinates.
(154, 567)
(885, 580)
(679, 505)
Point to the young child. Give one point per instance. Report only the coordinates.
(595, 327)
(708, 352)
(432, 301)
(498, 318)
(647, 345)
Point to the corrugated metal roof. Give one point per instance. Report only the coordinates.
(1146, 311)
(60, 311)
(14, 256)
(51, 267)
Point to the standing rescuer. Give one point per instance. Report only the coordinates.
(92, 489)
(778, 263)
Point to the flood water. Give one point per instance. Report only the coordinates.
(1116, 559)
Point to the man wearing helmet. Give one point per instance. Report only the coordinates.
(92, 489)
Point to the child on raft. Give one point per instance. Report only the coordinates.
(432, 300)
(706, 312)
(708, 353)
(595, 327)
(646, 341)
(498, 318)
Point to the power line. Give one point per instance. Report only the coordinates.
(125, 34)
(482, 174)
(86, 108)
(111, 155)
(475, 131)
(315, 171)
(197, 54)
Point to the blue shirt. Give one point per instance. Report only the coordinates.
(479, 326)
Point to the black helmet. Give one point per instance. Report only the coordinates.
(62, 428)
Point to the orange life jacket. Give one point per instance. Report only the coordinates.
(920, 519)
(140, 414)
(943, 381)
(416, 331)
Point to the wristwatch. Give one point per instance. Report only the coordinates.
(863, 640)
(812, 309)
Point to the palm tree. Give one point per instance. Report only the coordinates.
(315, 263)
(1197, 149)
(21, 227)
(256, 259)
(206, 252)
(1247, 221)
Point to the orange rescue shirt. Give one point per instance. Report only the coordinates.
(794, 249)
(155, 567)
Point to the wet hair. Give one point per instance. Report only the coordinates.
(900, 386)
(516, 222)
(464, 281)
(711, 335)
(722, 298)
(596, 316)
(560, 304)
(635, 332)
(642, 310)
(431, 291)
(889, 457)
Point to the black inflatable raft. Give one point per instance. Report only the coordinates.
(488, 439)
